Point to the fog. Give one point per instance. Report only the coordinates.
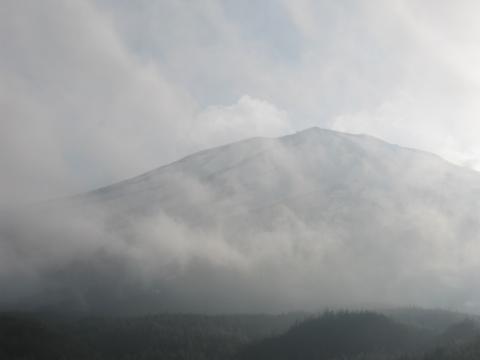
(96, 92)
(313, 220)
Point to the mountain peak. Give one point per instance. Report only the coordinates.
(319, 131)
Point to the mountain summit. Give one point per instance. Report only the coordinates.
(317, 218)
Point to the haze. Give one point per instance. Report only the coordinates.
(96, 92)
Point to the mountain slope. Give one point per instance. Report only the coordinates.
(307, 220)
(341, 336)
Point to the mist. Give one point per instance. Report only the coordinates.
(312, 220)
(239, 209)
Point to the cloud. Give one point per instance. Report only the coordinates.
(338, 61)
(249, 117)
(397, 121)
(81, 110)
(92, 92)
(259, 225)
(77, 107)
(434, 105)
(96, 91)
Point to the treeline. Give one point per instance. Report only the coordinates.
(340, 334)
(369, 336)
(35, 336)
(331, 336)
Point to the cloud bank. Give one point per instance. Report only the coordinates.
(311, 220)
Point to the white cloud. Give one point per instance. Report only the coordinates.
(77, 108)
(403, 120)
(249, 117)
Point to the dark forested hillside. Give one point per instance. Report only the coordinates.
(332, 335)
(340, 334)
(33, 336)
(432, 319)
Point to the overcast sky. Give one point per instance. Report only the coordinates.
(94, 91)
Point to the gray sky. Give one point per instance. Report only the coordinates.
(92, 92)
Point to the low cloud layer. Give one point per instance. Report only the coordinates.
(316, 219)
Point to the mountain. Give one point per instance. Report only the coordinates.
(317, 218)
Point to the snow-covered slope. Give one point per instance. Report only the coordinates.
(307, 220)
(313, 169)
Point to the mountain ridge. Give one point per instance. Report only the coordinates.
(309, 130)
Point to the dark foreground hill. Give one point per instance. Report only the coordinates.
(367, 336)
(51, 337)
(341, 335)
